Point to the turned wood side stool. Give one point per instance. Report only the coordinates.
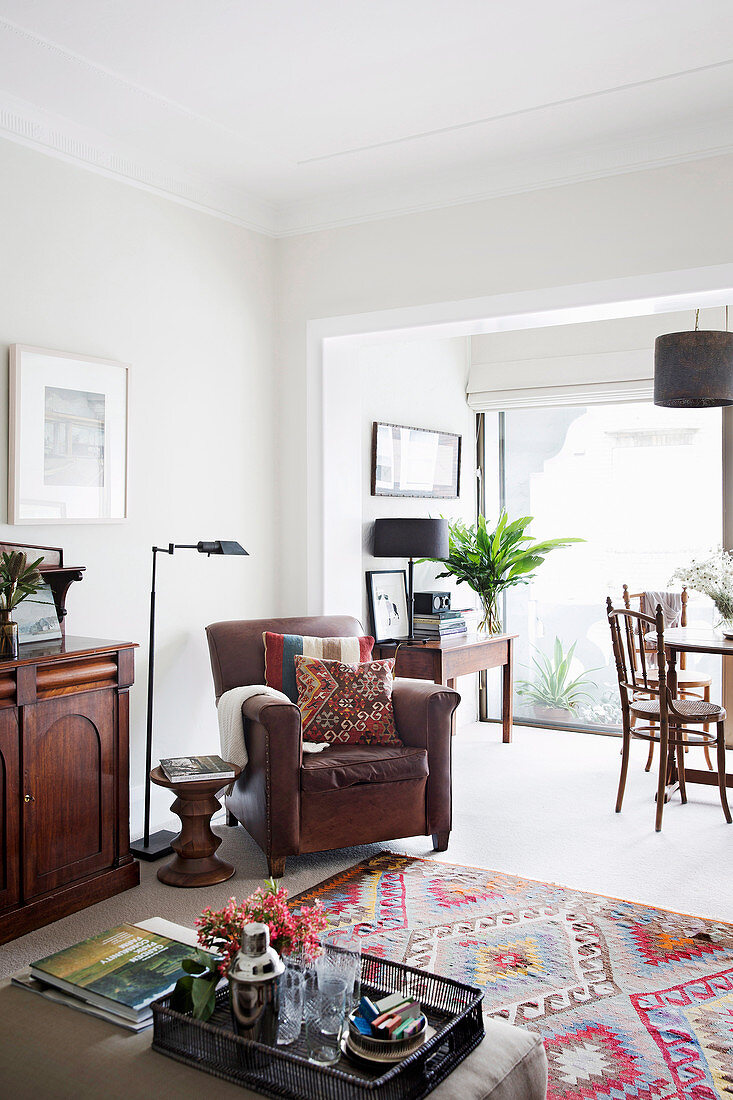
(195, 862)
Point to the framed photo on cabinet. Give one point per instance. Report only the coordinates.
(67, 459)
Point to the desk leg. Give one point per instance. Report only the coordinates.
(507, 694)
(450, 684)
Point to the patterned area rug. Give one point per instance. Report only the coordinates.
(631, 1001)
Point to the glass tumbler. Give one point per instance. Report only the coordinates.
(325, 1013)
(341, 958)
(290, 1016)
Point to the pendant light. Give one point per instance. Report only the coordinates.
(694, 370)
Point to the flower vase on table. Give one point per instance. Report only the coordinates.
(713, 577)
(8, 636)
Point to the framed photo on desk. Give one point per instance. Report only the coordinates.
(387, 594)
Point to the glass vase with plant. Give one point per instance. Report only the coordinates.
(713, 577)
(490, 562)
(18, 580)
(553, 687)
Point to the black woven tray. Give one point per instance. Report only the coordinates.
(453, 1010)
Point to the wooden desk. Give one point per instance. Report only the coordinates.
(689, 640)
(444, 660)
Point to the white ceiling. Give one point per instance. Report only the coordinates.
(288, 115)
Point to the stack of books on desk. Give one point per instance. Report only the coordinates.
(441, 624)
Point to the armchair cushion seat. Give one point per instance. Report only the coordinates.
(353, 765)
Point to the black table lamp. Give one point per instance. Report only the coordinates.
(411, 538)
(159, 844)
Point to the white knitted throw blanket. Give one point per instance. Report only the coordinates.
(231, 721)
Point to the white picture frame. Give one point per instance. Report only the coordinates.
(68, 437)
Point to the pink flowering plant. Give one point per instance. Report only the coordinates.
(221, 930)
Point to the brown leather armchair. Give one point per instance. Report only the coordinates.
(291, 802)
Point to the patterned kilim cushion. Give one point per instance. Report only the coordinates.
(281, 650)
(633, 1003)
(345, 704)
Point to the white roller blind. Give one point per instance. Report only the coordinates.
(611, 376)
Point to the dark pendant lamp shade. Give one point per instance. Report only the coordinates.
(693, 370)
(411, 538)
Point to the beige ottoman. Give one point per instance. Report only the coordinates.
(51, 1051)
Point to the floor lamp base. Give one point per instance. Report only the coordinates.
(159, 845)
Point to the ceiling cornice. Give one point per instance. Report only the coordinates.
(26, 124)
(55, 136)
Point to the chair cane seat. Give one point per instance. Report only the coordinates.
(685, 679)
(689, 710)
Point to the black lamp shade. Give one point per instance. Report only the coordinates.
(411, 538)
(221, 548)
(693, 370)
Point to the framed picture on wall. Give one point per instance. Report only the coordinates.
(67, 438)
(387, 595)
(415, 462)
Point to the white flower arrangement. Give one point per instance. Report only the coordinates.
(713, 577)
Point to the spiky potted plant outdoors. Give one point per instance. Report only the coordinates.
(18, 580)
(553, 693)
(490, 562)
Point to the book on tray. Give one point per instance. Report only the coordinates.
(192, 769)
(120, 971)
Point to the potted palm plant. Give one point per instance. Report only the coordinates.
(18, 580)
(490, 562)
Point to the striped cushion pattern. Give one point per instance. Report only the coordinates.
(282, 649)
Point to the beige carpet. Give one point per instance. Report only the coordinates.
(541, 807)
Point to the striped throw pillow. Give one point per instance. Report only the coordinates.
(281, 650)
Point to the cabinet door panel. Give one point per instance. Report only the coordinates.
(9, 808)
(68, 768)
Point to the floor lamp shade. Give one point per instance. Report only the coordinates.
(693, 370)
(411, 538)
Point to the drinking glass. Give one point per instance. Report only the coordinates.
(325, 1012)
(341, 958)
(290, 1016)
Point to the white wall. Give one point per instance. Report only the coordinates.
(667, 219)
(422, 384)
(92, 266)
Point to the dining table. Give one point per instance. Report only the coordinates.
(694, 640)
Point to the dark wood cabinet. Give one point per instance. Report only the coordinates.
(64, 796)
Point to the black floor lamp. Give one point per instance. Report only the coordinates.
(159, 844)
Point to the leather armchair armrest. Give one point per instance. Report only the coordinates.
(274, 742)
(423, 716)
(274, 714)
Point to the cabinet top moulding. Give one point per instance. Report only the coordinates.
(67, 649)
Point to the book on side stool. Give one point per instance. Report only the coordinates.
(192, 769)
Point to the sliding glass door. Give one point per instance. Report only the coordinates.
(643, 486)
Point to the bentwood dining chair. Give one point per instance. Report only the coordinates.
(668, 718)
(691, 684)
